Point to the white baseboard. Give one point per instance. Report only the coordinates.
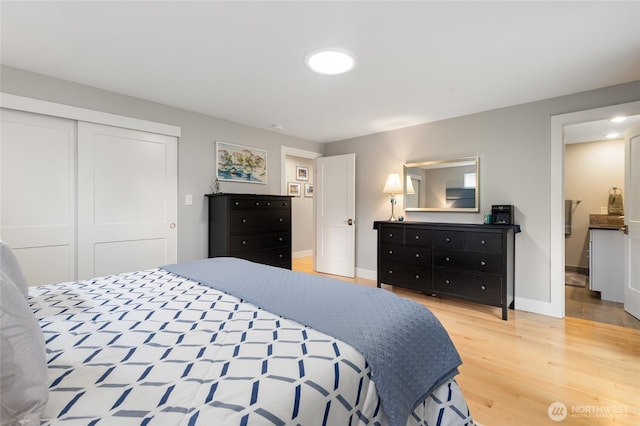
(534, 306)
(367, 274)
(303, 253)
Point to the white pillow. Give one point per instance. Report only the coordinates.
(9, 265)
(23, 365)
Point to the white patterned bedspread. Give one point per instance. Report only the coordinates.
(153, 348)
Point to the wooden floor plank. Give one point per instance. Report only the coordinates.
(514, 370)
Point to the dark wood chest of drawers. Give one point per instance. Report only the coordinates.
(466, 261)
(252, 227)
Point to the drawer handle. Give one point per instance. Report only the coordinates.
(390, 272)
(244, 220)
(280, 255)
(280, 219)
(390, 235)
(483, 242)
(390, 251)
(448, 239)
(417, 237)
(417, 277)
(447, 259)
(483, 263)
(268, 203)
(237, 203)
(244, 243)
(280, 239)
(257, 203)
(447, 282)
(417, 254)
(483, 287)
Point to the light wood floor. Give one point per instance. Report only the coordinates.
(513, 370)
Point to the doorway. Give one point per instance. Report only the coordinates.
(298, 170)
(557, 192)
(594, 164)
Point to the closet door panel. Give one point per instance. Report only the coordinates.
(127, 200)
(37, 194)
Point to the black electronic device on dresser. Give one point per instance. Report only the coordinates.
(251, 227)
(465, 261)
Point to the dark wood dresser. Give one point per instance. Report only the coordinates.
(466, 261)
(252, 227)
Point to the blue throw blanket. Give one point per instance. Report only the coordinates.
(409, 351)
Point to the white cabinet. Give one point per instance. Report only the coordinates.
(606, 263)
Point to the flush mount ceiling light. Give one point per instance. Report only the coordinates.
(331, 61)
(618, 119)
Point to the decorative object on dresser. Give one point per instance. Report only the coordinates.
(472, 262)
(251, 227)
(392, 187)
(502, 214)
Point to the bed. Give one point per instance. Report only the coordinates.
(214, 342)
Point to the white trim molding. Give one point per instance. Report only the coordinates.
(38, 106)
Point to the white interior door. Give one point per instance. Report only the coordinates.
(127, 200)
(335, 215)
(37, 194)
(632, 222)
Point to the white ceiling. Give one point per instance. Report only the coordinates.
(243, 61)
(593, 131)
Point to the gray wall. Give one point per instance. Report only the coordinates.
(195, 146)
(514, 146)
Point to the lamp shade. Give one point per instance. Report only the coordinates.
(410, 189)
(393, 185)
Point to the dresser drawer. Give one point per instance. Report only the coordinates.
(391, 234)
(448, 239)
(397, 253)
(244, 242)
(417, 237)
(280, 256)
(417, 277)
(259, 203)
(483, 288)
(484, 241)
(263, 221)
(449, 258)
(490, 263)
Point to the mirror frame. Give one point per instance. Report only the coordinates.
(441, 164)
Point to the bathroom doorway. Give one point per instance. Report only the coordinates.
(594, 158)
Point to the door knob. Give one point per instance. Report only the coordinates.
(172, 225)
(350, 222)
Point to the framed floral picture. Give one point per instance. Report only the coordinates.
(293, 189)
(240, 163)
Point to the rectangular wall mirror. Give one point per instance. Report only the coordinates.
(442, 185)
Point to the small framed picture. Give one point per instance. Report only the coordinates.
(308, 190)
(302, 173)
(293, 189)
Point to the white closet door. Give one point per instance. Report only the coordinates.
(37, 194)
(127, 200)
